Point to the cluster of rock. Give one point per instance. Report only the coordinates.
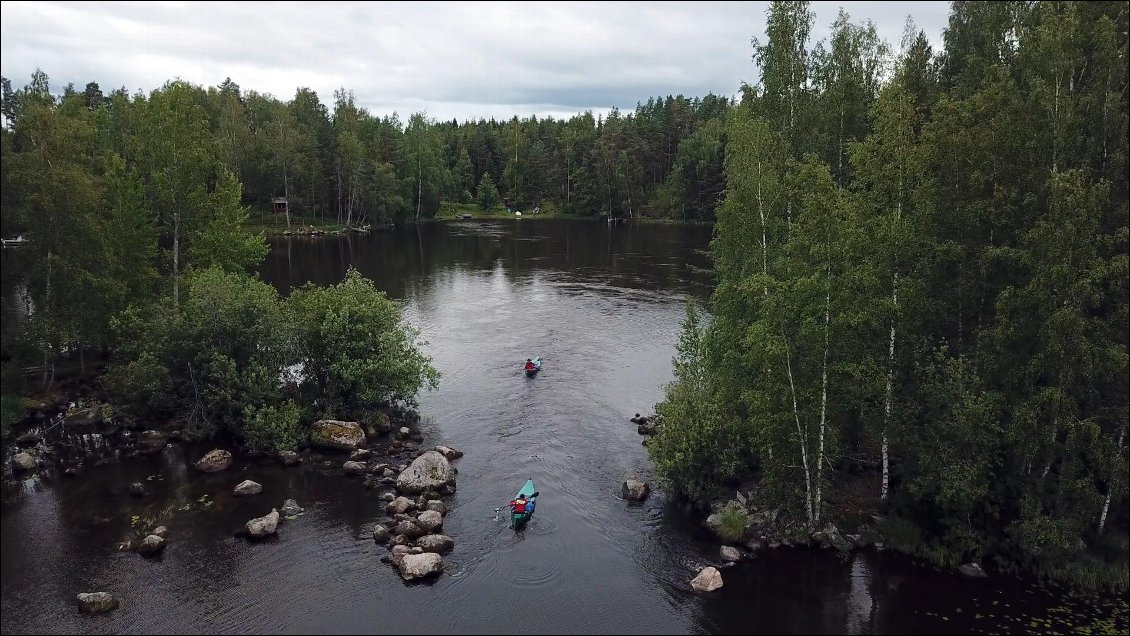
(413, 528)
(762, 529)
(646, 426)
(416, 481)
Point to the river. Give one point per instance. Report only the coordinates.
(602, 306)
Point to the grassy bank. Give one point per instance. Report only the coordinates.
(275, 224)
(449, 210)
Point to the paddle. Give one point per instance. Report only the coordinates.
(507, 506)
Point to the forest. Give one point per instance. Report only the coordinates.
(921, 301)
(920, 257)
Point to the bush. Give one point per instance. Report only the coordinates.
(356, 353)
(218, 360)
(11, 411)
(271, 428)
(220, 352)
(732, 520)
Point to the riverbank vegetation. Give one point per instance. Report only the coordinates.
(138, 253)
(921, 264)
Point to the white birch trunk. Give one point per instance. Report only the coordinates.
(176, 256)
(1110, 487)
(823, 401)
(890, 392)
(802, 434)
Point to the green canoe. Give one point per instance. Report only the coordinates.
(531, 495)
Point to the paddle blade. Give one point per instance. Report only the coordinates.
(535, 494)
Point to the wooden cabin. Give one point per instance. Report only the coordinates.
(279, 205)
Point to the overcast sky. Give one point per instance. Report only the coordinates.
(455, 60)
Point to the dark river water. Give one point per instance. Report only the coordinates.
(602, 306)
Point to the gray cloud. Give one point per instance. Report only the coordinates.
(455, 60)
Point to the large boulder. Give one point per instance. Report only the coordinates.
(634, 490)
(360, 455)
(149, 442)
(430, 471)
(151, 544)
(418, 566)
(31, 438)
(973, 570)
(264, 526)
(214, 461)
(354, 468)
(430, 520)
(23, 461)
(337, 435)
(290, 508)
(97, 602)
(438, 506)
(437, 543)
(708, 580)
(248, 487)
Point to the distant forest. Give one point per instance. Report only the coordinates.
(341, 162)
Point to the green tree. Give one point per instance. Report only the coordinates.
(488, 197)
(356, 353)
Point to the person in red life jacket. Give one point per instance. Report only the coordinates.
(518, 505)
(530, 366)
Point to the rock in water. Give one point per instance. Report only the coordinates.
(214, 461)
(97, 602)
(634, 490)
(23, 461)
(248, 487)
(973, 570)
(264, 526)
(430, 471)
(151, 545)
(708, 580)
(337, 435)
(290, 508)
(418, 566)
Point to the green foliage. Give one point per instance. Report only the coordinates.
(925, 268)
(355, 350)
(273, 428)
(11, 411)
(695, 447)
(207, 361)
(488, 197)
(732, 519)
(222, 241)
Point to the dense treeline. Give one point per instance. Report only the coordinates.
(343, 163)
(922, 288)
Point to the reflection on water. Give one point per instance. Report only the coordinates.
(602, 307)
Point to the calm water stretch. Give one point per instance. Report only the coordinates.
(602, 307)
